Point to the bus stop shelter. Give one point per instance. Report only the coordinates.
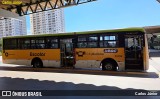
(152, 29)
(25, 7)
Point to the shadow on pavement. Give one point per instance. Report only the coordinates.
(80, 71)
(20, 84)
(8, 83)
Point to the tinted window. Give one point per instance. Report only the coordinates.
(82, 38)
(108, 41)
(10, 43)
(87, 41)
(51, 42)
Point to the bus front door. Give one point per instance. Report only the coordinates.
(67, 53)
(134, 52)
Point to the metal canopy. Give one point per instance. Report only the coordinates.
(34, 6)
(152, 29)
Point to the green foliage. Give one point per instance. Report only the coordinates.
(154, 42)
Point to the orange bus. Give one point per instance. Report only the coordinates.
(118, 49)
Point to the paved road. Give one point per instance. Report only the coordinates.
(156, 63)
(14, 77)
(155, 60)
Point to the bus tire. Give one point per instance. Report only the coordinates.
(37, 63)
(109, 66)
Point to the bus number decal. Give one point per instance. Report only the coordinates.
(110, 50)
(37, 54)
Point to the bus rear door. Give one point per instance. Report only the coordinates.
(134, 52)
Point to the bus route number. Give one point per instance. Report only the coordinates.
(110, 50)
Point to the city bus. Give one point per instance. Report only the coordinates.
(110, 50)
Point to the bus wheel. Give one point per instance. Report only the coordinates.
(108, 65)
(37, 64)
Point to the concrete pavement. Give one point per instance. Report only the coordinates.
(14, 77)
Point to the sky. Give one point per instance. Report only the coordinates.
(110, 14)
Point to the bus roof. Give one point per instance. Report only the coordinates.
(84, 32)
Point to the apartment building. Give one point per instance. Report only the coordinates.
(48, 22)
(12, 27)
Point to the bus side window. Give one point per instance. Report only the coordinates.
(51, 42)
(82, 45)
(106, 44)
(92, 44)
(82, 42)
(48, 44)
(42, 46)
(108, 41)
(54, 45)
(93, 41)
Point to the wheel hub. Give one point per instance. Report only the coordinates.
(109, 66)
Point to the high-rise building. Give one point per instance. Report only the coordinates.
(12, 27)
(48, 22)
